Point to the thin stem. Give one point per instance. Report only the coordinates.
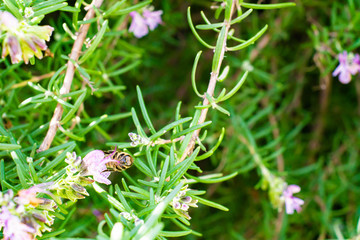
(163, 141)
(69, 75)
(257, 159)
(211, 87)
(320, 123)
(33, 79)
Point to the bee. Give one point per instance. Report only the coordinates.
(122, 161)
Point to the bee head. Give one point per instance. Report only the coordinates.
(127, 160)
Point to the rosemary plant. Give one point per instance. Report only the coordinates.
(89, 147)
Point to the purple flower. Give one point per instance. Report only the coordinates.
(292, 203)
(348, 65)
(152, 19)
(14, 229)
(11, 46)
(140, 24)
(95, 164)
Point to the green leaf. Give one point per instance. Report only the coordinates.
(217, 30)
(191, 129)
(140, 191)
(185, 166)
(194, 31)
(49, 9)
(59, 159)
(228, 9)
(93, 124)
(150, 161)
(235, 89)
(165, 129)
(142, 167)
(115, 7)
(241, 17)
(211, 151)
(95, 43)
(175, 233)
(135, 196)
(109, 118)
(70, 9)
(193, 73)
(53, 233)
(75, 108)
(120, 145)
(268, 6)
(115, 203)
(54, 77)
(122, 198)
(144, 111)
(224, 74)
(124, 69)
(163, 176)
(13, 8)
(130, 9)
(9, 147)
(108, 221)
(187, 138)
(205, 179)
(136, 121)
(71, 135)
(219, 50)
(209, 26)
(250, 41)
(45, 4)
(53, 150)
(210, 203)
(2, 174)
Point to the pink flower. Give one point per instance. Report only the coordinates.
(14, 229)
(152, 19)
(348, 65)
(94, 164)
(22, 41)
(140, 24)
(28, 196)
(11, 46)
(292, 203)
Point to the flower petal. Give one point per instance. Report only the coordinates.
(138, 25)
(152, 19)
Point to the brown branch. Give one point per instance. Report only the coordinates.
(69, 75)
(210, 90)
